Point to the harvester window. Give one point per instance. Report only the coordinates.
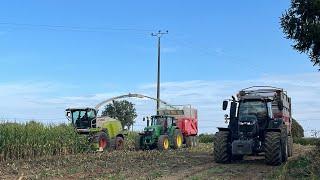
(91, 114)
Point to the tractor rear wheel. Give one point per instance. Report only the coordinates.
(119, 143)
(137, 143)
(177, 139)
(273, 148)
(163, 143)
(103, 141)
(222, 148)
(290, 146)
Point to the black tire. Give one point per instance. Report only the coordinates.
(290, 146)
(119, 144)
(273, 154)
(189, 141)
(163, 143)
(177, 139)
(103, 140)
(222, 148)
(137, 143)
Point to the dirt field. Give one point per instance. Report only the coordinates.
(194, 163)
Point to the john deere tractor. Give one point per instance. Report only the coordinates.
(162, 134)
(104, 133)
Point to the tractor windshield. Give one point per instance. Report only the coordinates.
(255, 108)
(161, 120)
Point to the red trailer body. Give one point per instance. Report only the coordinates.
(187, 121)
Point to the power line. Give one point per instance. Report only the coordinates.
(74, 28)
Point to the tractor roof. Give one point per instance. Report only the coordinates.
(255, 97)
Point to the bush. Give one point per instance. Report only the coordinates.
(297, 129)
(307, 141)
(206, 138)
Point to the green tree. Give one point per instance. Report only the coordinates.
(123, 110)
(297, 129)
(301, 23)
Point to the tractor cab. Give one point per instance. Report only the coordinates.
(161, 123)
(82, 118)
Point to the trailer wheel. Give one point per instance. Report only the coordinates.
(290, 146)
(137, 144)
(119, 143)
(177, 139)
(222, 148)
(189, 141)
(196, 141)
(163, 143)
(273, 154)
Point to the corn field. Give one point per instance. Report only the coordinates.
(33, 140)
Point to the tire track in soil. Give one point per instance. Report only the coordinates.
(252, 167)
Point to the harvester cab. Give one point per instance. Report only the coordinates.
(82, 118)
(161, 132)
(259, 121)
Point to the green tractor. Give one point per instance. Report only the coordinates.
(162, 134)
(104, 133)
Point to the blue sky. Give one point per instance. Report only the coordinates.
(101, 49)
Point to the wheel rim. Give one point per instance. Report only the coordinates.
(166, 144)
(179, 141)
(102, 143)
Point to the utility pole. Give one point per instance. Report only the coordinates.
(159, 34)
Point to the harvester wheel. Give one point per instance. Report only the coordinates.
(222, 147)
(137, 143)
(290, 146)
(177, 139)
(119, 143)
(273, 148)
(163, 143)
(103, 141)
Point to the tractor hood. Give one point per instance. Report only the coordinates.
(152, 129)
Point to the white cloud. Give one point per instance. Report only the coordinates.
(40, 100)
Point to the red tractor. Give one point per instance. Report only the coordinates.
(186, 118)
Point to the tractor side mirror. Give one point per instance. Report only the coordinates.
(225, 105)
(68, 115)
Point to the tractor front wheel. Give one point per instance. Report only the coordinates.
(177, 139)
(163, 143)
(222, 147)
(273, 148)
